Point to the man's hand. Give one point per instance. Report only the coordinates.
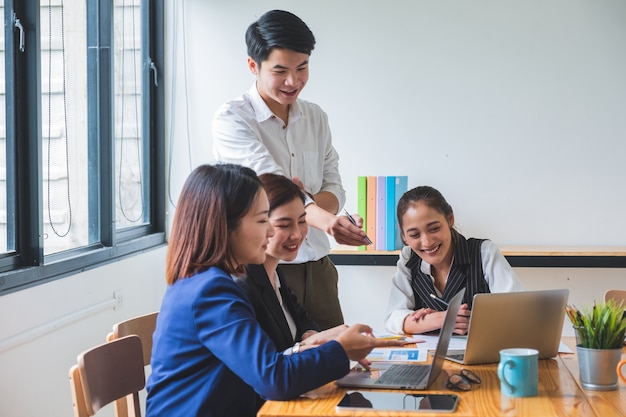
(346, 233)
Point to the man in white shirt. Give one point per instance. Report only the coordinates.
(270, 129)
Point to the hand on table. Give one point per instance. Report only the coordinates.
(426, 320)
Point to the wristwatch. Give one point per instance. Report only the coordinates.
(294, 349)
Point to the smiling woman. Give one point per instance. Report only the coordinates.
(280, 314)
(436, 263)
(206, 328)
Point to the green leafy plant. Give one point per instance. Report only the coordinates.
(602, 326)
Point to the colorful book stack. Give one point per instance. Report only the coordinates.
(377, 199)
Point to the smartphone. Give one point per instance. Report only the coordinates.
(397, 401)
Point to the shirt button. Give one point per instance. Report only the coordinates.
(284, 126)
(292, 155)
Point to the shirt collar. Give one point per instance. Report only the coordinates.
(263, 112)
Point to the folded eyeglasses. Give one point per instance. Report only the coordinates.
(463, 381)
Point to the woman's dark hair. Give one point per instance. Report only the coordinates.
(430, 196)
(212, 203)
(280, 190)
(278, 29)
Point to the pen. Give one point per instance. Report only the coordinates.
(367, 239)
(434, 297)
(392, 337)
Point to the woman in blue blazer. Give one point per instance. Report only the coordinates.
(210, 354)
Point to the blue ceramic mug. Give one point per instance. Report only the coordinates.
(518, 372)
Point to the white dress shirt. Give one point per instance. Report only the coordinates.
(498, 273)
(246, 132)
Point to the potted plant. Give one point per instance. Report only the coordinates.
(600, 332)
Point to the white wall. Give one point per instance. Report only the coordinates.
(514, 109)
(34, 365)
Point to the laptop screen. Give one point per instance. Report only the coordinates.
(445, 334)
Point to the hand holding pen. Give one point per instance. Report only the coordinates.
(367, 239)
(462, 321)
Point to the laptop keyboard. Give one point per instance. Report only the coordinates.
(403, 375)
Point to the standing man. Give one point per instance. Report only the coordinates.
(270, 129)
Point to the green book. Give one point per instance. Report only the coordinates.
(361, 202)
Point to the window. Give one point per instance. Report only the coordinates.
(6, 233)
(81, 136)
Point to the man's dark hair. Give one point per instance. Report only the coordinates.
(278, 29)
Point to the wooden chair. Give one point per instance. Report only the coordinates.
(143, 327)
(106, 373)
(617, 295)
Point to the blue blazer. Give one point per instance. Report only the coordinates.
(268, 311)
(210, 354)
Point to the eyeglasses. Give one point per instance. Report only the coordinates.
(463, 381)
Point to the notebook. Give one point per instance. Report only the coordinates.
(407, 375)
(526, 319)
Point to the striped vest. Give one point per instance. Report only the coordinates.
(466, 272)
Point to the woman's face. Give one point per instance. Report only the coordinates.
(290, 229)
(250, 239)
(427, 232)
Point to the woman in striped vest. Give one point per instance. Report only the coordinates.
(436, 263)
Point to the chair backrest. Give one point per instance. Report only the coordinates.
(142, 326)
(106, 373)
(78, 395)
(617, 295)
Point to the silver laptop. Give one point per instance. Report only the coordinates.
(407, 376)
(526, 319)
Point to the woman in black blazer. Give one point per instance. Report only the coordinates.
(269, 312)
(278, 311)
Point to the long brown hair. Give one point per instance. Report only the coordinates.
(212, 203)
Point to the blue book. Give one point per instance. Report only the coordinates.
(402, 183)
(381, 213)
(390, 219)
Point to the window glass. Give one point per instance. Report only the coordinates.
(65, 160)
(131, 205)
(5, 244)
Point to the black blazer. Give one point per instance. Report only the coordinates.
(267, 308)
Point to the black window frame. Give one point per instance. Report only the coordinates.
(27, 266)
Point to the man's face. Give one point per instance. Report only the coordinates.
(281, 77)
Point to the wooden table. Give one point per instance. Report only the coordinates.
(560, 394)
